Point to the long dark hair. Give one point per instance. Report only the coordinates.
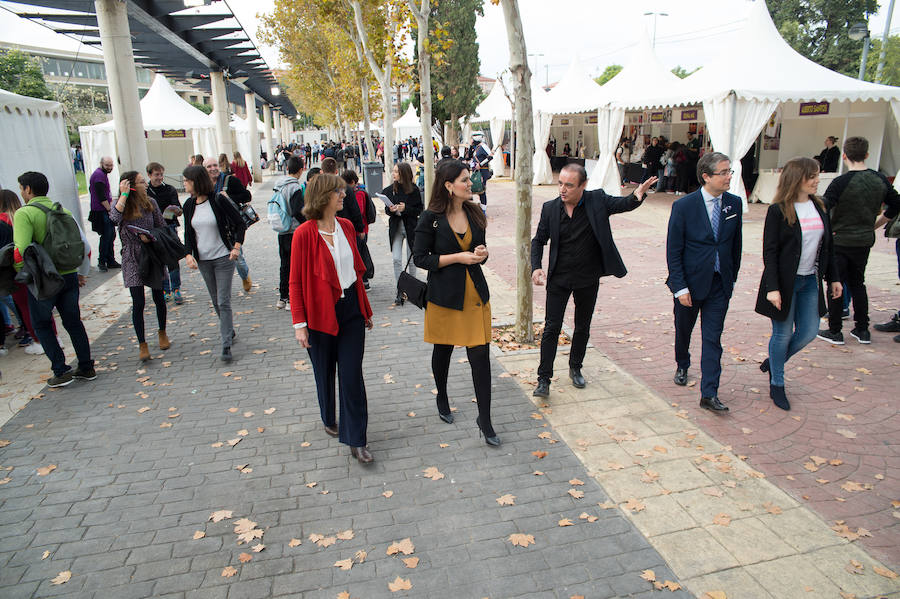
(795, 173)
(440, 201)
(9, 202)
(137, 203)
(405, 184)
(200, 178)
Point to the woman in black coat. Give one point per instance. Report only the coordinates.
(405, 211)
(450, 245)
(797, 255)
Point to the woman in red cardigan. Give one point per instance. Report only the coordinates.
(241, 170)
(330, 309)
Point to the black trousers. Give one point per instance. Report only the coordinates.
(712, 310)
(284, 272)
(557, 299)
(851, 267)
(480, 363)
(342, 353)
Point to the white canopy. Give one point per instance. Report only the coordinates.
(495, 105)
(36, 140)
(408, 124)
(161, 109)
(575, 92)
(628, 85)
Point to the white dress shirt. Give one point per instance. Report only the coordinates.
(708, 203)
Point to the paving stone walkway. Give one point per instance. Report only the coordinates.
(147, 457)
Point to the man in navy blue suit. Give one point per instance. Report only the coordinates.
(703, 252)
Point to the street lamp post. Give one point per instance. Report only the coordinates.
(655, 14)
(860, 31)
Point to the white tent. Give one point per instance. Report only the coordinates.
(36, 140)
(630, 82)
(576, 92)
(409, 124)
(242, 142)
(739, 91)
(161, 110)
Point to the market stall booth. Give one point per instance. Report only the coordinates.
(173, 129)
(35, 139)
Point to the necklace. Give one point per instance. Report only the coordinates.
(333, 229)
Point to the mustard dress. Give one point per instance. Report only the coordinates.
(468, 327)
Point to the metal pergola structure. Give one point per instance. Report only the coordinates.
(182, 43)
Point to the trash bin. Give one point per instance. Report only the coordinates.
(372, 173)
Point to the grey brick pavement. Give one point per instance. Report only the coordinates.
(130, 489)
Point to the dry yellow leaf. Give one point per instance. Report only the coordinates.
(269, 411)
(144, 409)
(344, 564)
(45, 470)
(576, 493)
(575, 482)
(588, 517)
(361, 556)
(521, 540)
(400, 584)
(506, 499)
(244, 558)
(345, 535)
(199, 535)
(884, 572)
(411, 562)
(294, 542)
(634, 505)
(722, 519)
(405, 547)
(62, 578)
(714, 595)
(233, 410)
(258, 547)
(648, 575)
(388, 494)
(243, 525)
(539, 454)
(220, 515)
(45, 555)
(565, 522)
(229, 571)
(433, 473)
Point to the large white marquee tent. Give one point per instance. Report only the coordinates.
(35, 139)
(162, 110)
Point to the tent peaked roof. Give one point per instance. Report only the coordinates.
(785, 75)
(495, 105)
(575, 92)
(409, 120)
(628, 87)
(162, 108)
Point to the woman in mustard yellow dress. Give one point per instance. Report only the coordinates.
(449, 244)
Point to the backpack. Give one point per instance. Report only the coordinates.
(278, 209)
(63, 239)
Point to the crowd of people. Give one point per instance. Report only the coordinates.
(812, 246)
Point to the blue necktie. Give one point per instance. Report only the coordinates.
(716, 220)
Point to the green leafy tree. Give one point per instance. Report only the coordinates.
(21, 74)
(608, 73)
(681, 72)
(817, 29)
(82, 106)
(205, 108)
(890, 75)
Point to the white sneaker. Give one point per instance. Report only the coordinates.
(280, 304)
(35, 349)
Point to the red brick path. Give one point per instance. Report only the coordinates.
(633, 326)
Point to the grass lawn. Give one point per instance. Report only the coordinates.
(82, 183)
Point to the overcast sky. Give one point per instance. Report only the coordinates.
(599, 32)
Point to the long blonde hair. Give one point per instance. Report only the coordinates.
(238, 160)
(795, 173)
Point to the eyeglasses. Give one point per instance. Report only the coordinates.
(727, 173)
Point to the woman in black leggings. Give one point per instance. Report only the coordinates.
(450, 245)
(133, 211)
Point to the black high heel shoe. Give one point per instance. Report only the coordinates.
(493, 441)
(448, 418)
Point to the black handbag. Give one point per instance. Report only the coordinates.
(410, 288)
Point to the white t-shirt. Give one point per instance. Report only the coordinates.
(206, 228)
(812, 231)
(342, 254)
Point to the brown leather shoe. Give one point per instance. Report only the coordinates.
(143, 352)
(332, 430)
(362, 454)
(164, 342)
(247, 284)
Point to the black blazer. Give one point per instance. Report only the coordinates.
(598, 206)
(782, 245)
(408, 218)
(231, 224)
(447, 285)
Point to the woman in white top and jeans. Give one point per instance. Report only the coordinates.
(797, 255)
(331, 311)
(213, 233)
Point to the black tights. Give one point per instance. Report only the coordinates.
(137, 310)
(480, 363)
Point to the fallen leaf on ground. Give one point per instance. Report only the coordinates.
(399, 584)
(649, 476)
(607, 505)
(294, 542)
(538, 473)
(506, 499)
(345, 535)
(521, 540)
(648, 575)
(45, 470)
(411, 562)
(588, 517)
(144, 409)
(268, 411)
(243, 525)
(235, 441)
(405, 547)
(220, 515)
(305, 444)
(62, 578)
(433, 473)
(672, 586)
(576, 493)
(722, 519)
(344, 564)
(388, 494)
(248, 536)
(248, 414)
(539, 454)
(4, 442)
(660, 449)
(884, 572)
(199, 535)
(852, 486)
(634, 505)
(45, 555)
(614, 466)
(243, 432)
(846, 433)
(565, 522)
(258, 547)
(713, 492)
(714, 595)
(443, 445)
(772, 508)
(245, 557)
(360, 556)
(576, 482)
(854, 567)
(233, 410)
(229, 571)
(343, 595)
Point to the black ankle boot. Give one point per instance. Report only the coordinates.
(777, 394)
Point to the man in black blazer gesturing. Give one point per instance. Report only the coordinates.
(703, 252)
(581, 251)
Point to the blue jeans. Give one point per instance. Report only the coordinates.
(241, 264)
(7, 310)
(797, 330)
(66, 303)
(661, 180)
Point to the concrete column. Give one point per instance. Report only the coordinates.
(220, 114)
(267, 121)
(276, 123)
(250, 103)
(118, 58)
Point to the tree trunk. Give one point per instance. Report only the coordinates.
(453, 133)
(421, 15)
(518, 66)
(383, 76)
(367, 121)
